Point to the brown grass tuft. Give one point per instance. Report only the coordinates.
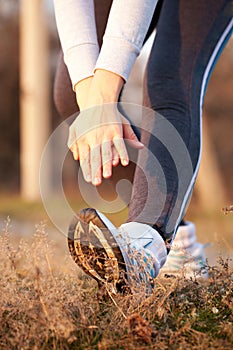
(46, 302)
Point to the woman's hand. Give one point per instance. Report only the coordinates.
(96, 135)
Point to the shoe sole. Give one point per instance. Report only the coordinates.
(94, 249)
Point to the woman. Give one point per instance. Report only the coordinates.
(189, 37)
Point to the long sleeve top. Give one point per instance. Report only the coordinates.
(126, 29)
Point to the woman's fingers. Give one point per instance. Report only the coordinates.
(106, 153)
(102, 147)
(121, 150)
(71, 138)
(84, 158)
(95, 160)
(72, 144)
(130, 136)
(74, 150)
(115, 156)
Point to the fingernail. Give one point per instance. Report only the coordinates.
(88, 178)
(106, 174)
(124, 162)
(136, 142)
(96, 181)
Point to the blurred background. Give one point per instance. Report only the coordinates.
(29, 48)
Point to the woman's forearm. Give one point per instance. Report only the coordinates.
(126, 29)
(77, 31)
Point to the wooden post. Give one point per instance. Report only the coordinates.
(34, 93)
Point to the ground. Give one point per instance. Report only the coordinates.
(46, 302)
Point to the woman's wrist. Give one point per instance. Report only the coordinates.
(109, 85)
(103, 87)
(82, 89)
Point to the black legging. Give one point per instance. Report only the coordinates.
(189, 37)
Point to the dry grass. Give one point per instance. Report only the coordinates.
(47, 303)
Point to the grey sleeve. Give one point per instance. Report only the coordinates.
(77, 31)
(126, 29)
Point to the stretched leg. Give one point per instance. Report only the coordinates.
(190, 36)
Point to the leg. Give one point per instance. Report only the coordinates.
(189, 37)
(64, 96)
(136, 242)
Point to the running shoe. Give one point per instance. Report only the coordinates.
(121, 258)
(187, 256)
